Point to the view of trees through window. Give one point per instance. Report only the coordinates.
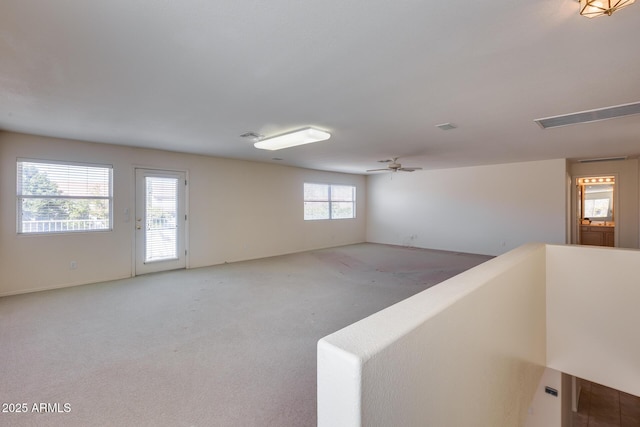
(327, 201)
(56, 197)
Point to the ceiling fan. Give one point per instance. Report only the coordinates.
(393, 166)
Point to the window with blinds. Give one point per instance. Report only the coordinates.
(59, 197)
(328, 201)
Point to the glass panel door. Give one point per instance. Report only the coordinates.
(161, 215)
(160, 220)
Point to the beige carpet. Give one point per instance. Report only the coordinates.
(230, 345)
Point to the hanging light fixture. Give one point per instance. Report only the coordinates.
(594, 8)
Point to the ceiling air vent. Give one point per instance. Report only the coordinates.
(590, 116)
(603, 159)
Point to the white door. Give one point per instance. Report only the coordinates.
(160, 220)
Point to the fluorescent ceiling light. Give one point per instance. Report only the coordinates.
(291, 139)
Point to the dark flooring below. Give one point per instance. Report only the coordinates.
(601, 406)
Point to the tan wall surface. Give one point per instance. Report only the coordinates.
(592, 314)
(468, 352)
(238, 210)
(485, 209)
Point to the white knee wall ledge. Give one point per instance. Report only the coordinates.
(472, 350)
(452, 355)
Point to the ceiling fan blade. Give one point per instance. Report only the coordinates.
(394, 166)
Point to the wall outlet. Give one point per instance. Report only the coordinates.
(73, 265)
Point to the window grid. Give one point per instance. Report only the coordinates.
(329, 201)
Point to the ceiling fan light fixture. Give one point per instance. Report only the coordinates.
(595, 8)
(393, 166)
(302, 136)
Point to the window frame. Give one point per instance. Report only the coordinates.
(20, 197)
(594, 207)
(330, 201)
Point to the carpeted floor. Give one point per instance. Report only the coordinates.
(229, 345)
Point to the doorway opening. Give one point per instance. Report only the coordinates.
(596, 210)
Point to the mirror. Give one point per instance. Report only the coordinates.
(596, 216)
(598, 202)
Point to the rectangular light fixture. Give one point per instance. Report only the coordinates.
(291, 139)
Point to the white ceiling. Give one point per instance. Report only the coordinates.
(193, 75)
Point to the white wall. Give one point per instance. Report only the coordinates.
(238, 210)
(547, 410)
(592, 314)
(627, 219)
(468, 352)
(472, 350)
(485, 209)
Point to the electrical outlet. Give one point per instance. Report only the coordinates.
(73, 265)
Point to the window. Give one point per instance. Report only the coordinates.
(326, 201)
(57, 197)
(596, 208)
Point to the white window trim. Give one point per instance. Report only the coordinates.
(330, 201)
(20, 197)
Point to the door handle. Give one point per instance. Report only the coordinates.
(138, 227)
